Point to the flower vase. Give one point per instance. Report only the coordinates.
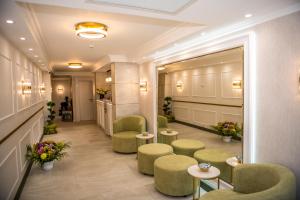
(47, 165)
(227, 139)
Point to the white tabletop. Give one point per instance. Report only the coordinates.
(172, 133)
(145, 137)
(195, 171)
(232, 161)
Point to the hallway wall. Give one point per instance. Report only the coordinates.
(59, 96)
(21, 115)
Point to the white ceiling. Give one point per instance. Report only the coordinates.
(136, 27)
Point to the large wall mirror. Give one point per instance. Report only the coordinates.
(198, 93)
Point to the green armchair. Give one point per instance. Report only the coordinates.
(259, 182)
(124, 131)
(162, 125)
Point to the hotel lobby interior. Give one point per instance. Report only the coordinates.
(149, 100)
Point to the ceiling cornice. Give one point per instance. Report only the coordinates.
(35, 30)
(198, 40)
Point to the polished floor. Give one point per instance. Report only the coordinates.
(92, 171)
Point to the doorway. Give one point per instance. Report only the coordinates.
(86, 100)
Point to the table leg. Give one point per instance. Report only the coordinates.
(218, 183)
(196, 188)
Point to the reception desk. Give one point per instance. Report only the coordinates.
(104, 116)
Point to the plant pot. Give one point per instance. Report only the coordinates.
(227, 138)
(47, 165)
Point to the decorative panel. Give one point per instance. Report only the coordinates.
(9, 174)
(204, 85)
(204, 117)
(232, 117)
(35, 132)
(185, 90)
(181, 113)
(226, 86)
(6, 88)
(24, 141)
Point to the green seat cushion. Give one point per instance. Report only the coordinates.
(124, 142)
(148, 153)
(187, 146)
(171, 176)
(217, 158)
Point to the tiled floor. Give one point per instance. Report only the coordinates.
(92, 171)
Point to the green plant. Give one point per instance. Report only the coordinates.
(167, 108)
(50, 127)
(46, 151)
(228, 128)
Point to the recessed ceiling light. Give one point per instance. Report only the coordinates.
(248, 15)
(36, 56)
(91, 30)
(30, 49)
(203, 33)
(91, 46)
(39, 61)
(75, 65)
(22, 38)
(9, 21)
(42, 64)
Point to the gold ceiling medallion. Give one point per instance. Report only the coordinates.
(91, 30)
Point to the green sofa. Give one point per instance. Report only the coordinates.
(124, 131)
(162, 125)
(259, 182)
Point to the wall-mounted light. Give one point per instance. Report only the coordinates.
(161, 68)
(237, 84)
(60, 90)
(26, 87)
(179, 85)
(143, 85)
(42, 88)
(108, 80)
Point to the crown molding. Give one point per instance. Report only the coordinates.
(198, 40)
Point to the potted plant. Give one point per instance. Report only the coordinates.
(101, 92)
(45, 153)
(167, 108)
(50, 127)
(227, 130)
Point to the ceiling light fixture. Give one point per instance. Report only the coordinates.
(30, 49)
(91, 30)
(91, 46)
(9, 21)
(248, 15)
(161, 68)
(22, 38)
(75, 65)
(36, 56)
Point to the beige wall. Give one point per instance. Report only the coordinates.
(15, 108)
(125, 89)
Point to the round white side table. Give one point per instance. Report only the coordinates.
(199, 175)
(145, 139)
(166, 134)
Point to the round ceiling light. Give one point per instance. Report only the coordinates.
(75, 65)
(91, 30)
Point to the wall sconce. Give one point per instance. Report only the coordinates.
(143, 86)
(108, 80)
(179, 85)
(26, 87)
(60, 90)
(237, 84)
(42, 88)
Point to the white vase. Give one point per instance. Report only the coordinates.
(227, 138)
(48, 165)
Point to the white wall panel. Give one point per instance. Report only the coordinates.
(204, 85)
(24, 141)
(204, 117)
(226, 86)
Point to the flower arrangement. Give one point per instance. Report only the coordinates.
(101, 92)
(227, 128)
(47, 151)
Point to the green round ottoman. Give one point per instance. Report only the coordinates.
(171, 176)
(148, 153)
(217, 158)
(187, 146)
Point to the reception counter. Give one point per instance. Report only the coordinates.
(104, 116)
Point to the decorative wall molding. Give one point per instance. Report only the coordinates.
(214, 95)
(222, 87)
(206, 115)
(22, 155)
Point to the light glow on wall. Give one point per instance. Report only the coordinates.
(60, 89)
(237, 84)
(179, 85)
(26, 87)
(143, 86)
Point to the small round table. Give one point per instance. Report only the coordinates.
(232, 162)
(143, 139)
(166, 135)
(197, 175)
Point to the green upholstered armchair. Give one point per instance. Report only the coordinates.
(162, 125)
(259, 182)
(124, 131)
